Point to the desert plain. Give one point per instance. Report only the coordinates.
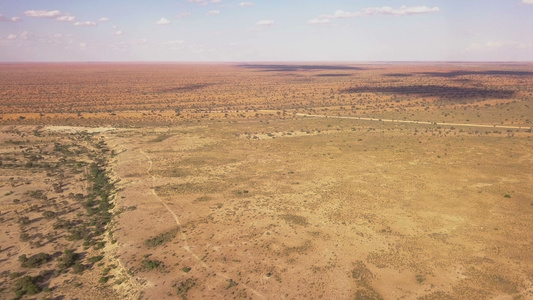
(266, 181)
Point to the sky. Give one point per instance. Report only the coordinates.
(265, 30)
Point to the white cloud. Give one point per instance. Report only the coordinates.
(201, 2)
(384, 10)
(103, 19)
(24, 35)
(55, 14)
(66, 18)
(245, 4)
(319, 21)
(341, 14)
(264, 22)
(527, 1)
(86, 23)
(43, 13)
(213, 12)
(118, 32)
(216, 1)
(83, 46)
(163, 21)
(402, 11)
(184, 14)
(13, 19)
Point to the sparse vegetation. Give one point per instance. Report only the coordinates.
(295, 219)
(161, 239)
(240, 161)
(95, 259)
(182, 289)
(149, 264)
(27, 285)
(34, 261)
(68, 259)
(231, 284)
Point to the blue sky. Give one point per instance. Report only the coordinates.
(266, 30)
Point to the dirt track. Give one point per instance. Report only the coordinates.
(417, 122)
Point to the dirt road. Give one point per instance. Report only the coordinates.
(418, 122)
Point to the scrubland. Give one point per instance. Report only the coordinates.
(267, 181)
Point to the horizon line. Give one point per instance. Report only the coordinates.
(268, 61)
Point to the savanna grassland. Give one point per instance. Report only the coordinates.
(266, 181)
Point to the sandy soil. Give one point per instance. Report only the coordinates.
(358, 211)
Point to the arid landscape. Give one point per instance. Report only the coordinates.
(266, 181)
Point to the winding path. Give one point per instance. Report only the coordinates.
(182, 234)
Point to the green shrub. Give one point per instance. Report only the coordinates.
(23, 220)
(183, 288)
(231, 284)
(161, 239)
(95, 259)
(78, 268)
(151, 264)
(27, 285)
(34, 261)
(61, 224)
(67, 260)
(49, 214)
(99, 245)
(14, 275)
(24, 237)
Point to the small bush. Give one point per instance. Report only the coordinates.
(99, 245)
(27, 285)
(49, 214)
(231, 284)
(104, 279)
(67, 260)
(95, 259)
(34, 261)
(183, 288)
(24, 237)
(78, 268)
(23, 220)
(61, 224)
(151, 264)
(38, 194)
(14, 275)
(161, 239)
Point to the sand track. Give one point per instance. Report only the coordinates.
(417, 122)
(183, 235)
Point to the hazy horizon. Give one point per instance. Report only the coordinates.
(319, 62)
